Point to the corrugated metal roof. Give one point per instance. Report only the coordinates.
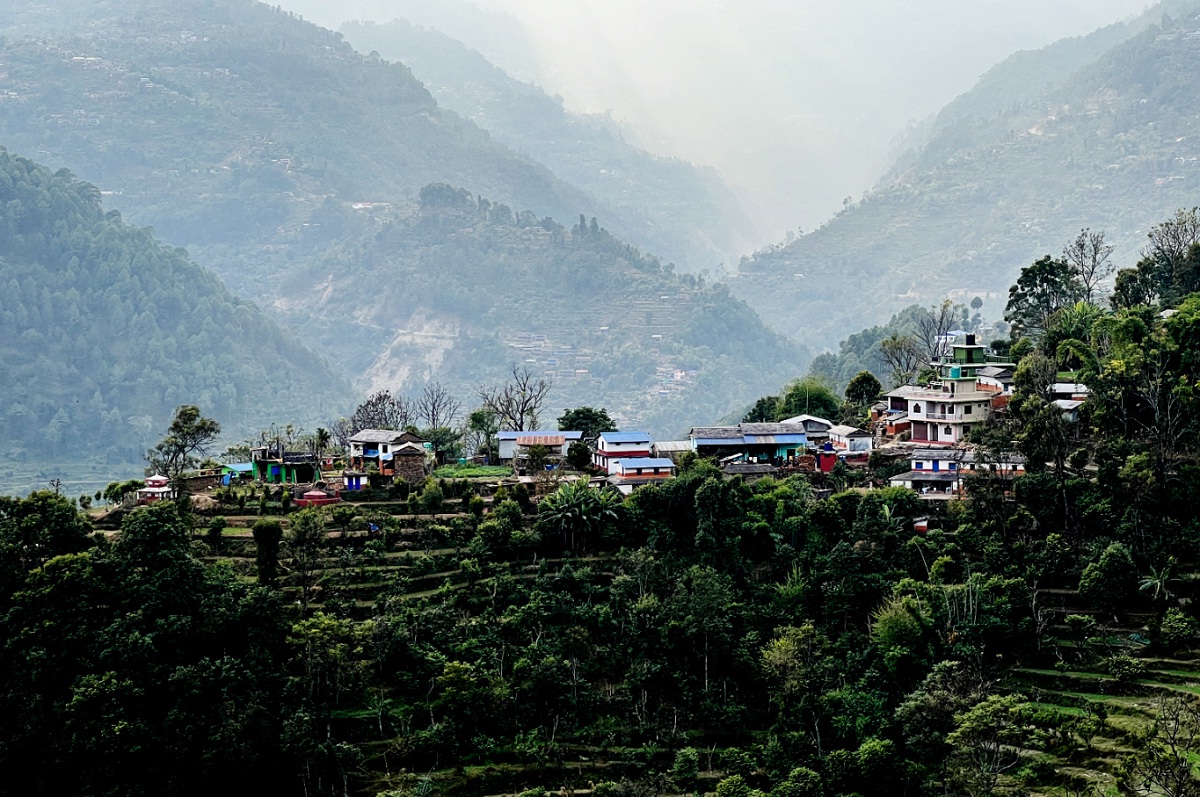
(715, 433)
(805, 419)
(848, 431)
(927, 476)
(673, 445)
(541, 440)
(376, 435)
(776, 439)
(748, 468)
(514, 435)
(719, 441)
(767, 428)
(625, 437)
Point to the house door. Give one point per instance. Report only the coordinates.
(936, 463)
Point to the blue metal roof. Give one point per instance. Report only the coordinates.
(241, 467)
(718, 441)
(646, 462)
(626, 437)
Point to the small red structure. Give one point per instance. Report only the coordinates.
(317, 498)
(826, 460)
(157, 488)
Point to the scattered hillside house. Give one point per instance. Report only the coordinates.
(897, 400)
(239, 471)
(516, 445)
(1069, 397)
(944, 411)
(750, 471)
(816, 429)
(889, 422)
(391, 453)
(629, 474)
(157, 488)
(1069, 391)
(890, 416)
(614, 446)
(777, 443)
(997, 379)
(850, 440)
(274, 465)
(670, 448)
(1070, 408)
(938, 473)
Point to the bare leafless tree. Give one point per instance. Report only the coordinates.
(516, 403)
(436, 407)
(342, 430)
(1089, 257)
(1171, 240)
(933, 330)
(903, 356)
(382, 410)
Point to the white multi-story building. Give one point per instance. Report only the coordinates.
(944, 411)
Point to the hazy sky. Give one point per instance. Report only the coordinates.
(798, 103)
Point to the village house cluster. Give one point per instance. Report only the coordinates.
(926, 426)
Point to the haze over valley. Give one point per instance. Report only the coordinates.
(639, 398)
(414, 212)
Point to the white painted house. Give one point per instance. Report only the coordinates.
(850, 439)
(614, 446)
(514, 443)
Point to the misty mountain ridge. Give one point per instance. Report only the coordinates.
(1112, 146)
(681, 212)
(283, 158)
(458, 288)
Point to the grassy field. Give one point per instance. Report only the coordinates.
(472, 472)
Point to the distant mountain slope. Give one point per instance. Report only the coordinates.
(226, 123)
(1115, 146)
(104, 331)
(459, 288)
(677, 210)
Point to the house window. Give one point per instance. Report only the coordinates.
(953, 466)
(949, 431)
(967, 410)
(919, 466)
(383, 448)
(917, 408)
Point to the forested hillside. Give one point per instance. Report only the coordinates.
(459, 288)
(1009, 174)
(104, 331)
(687, 214)
(1034, 636)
